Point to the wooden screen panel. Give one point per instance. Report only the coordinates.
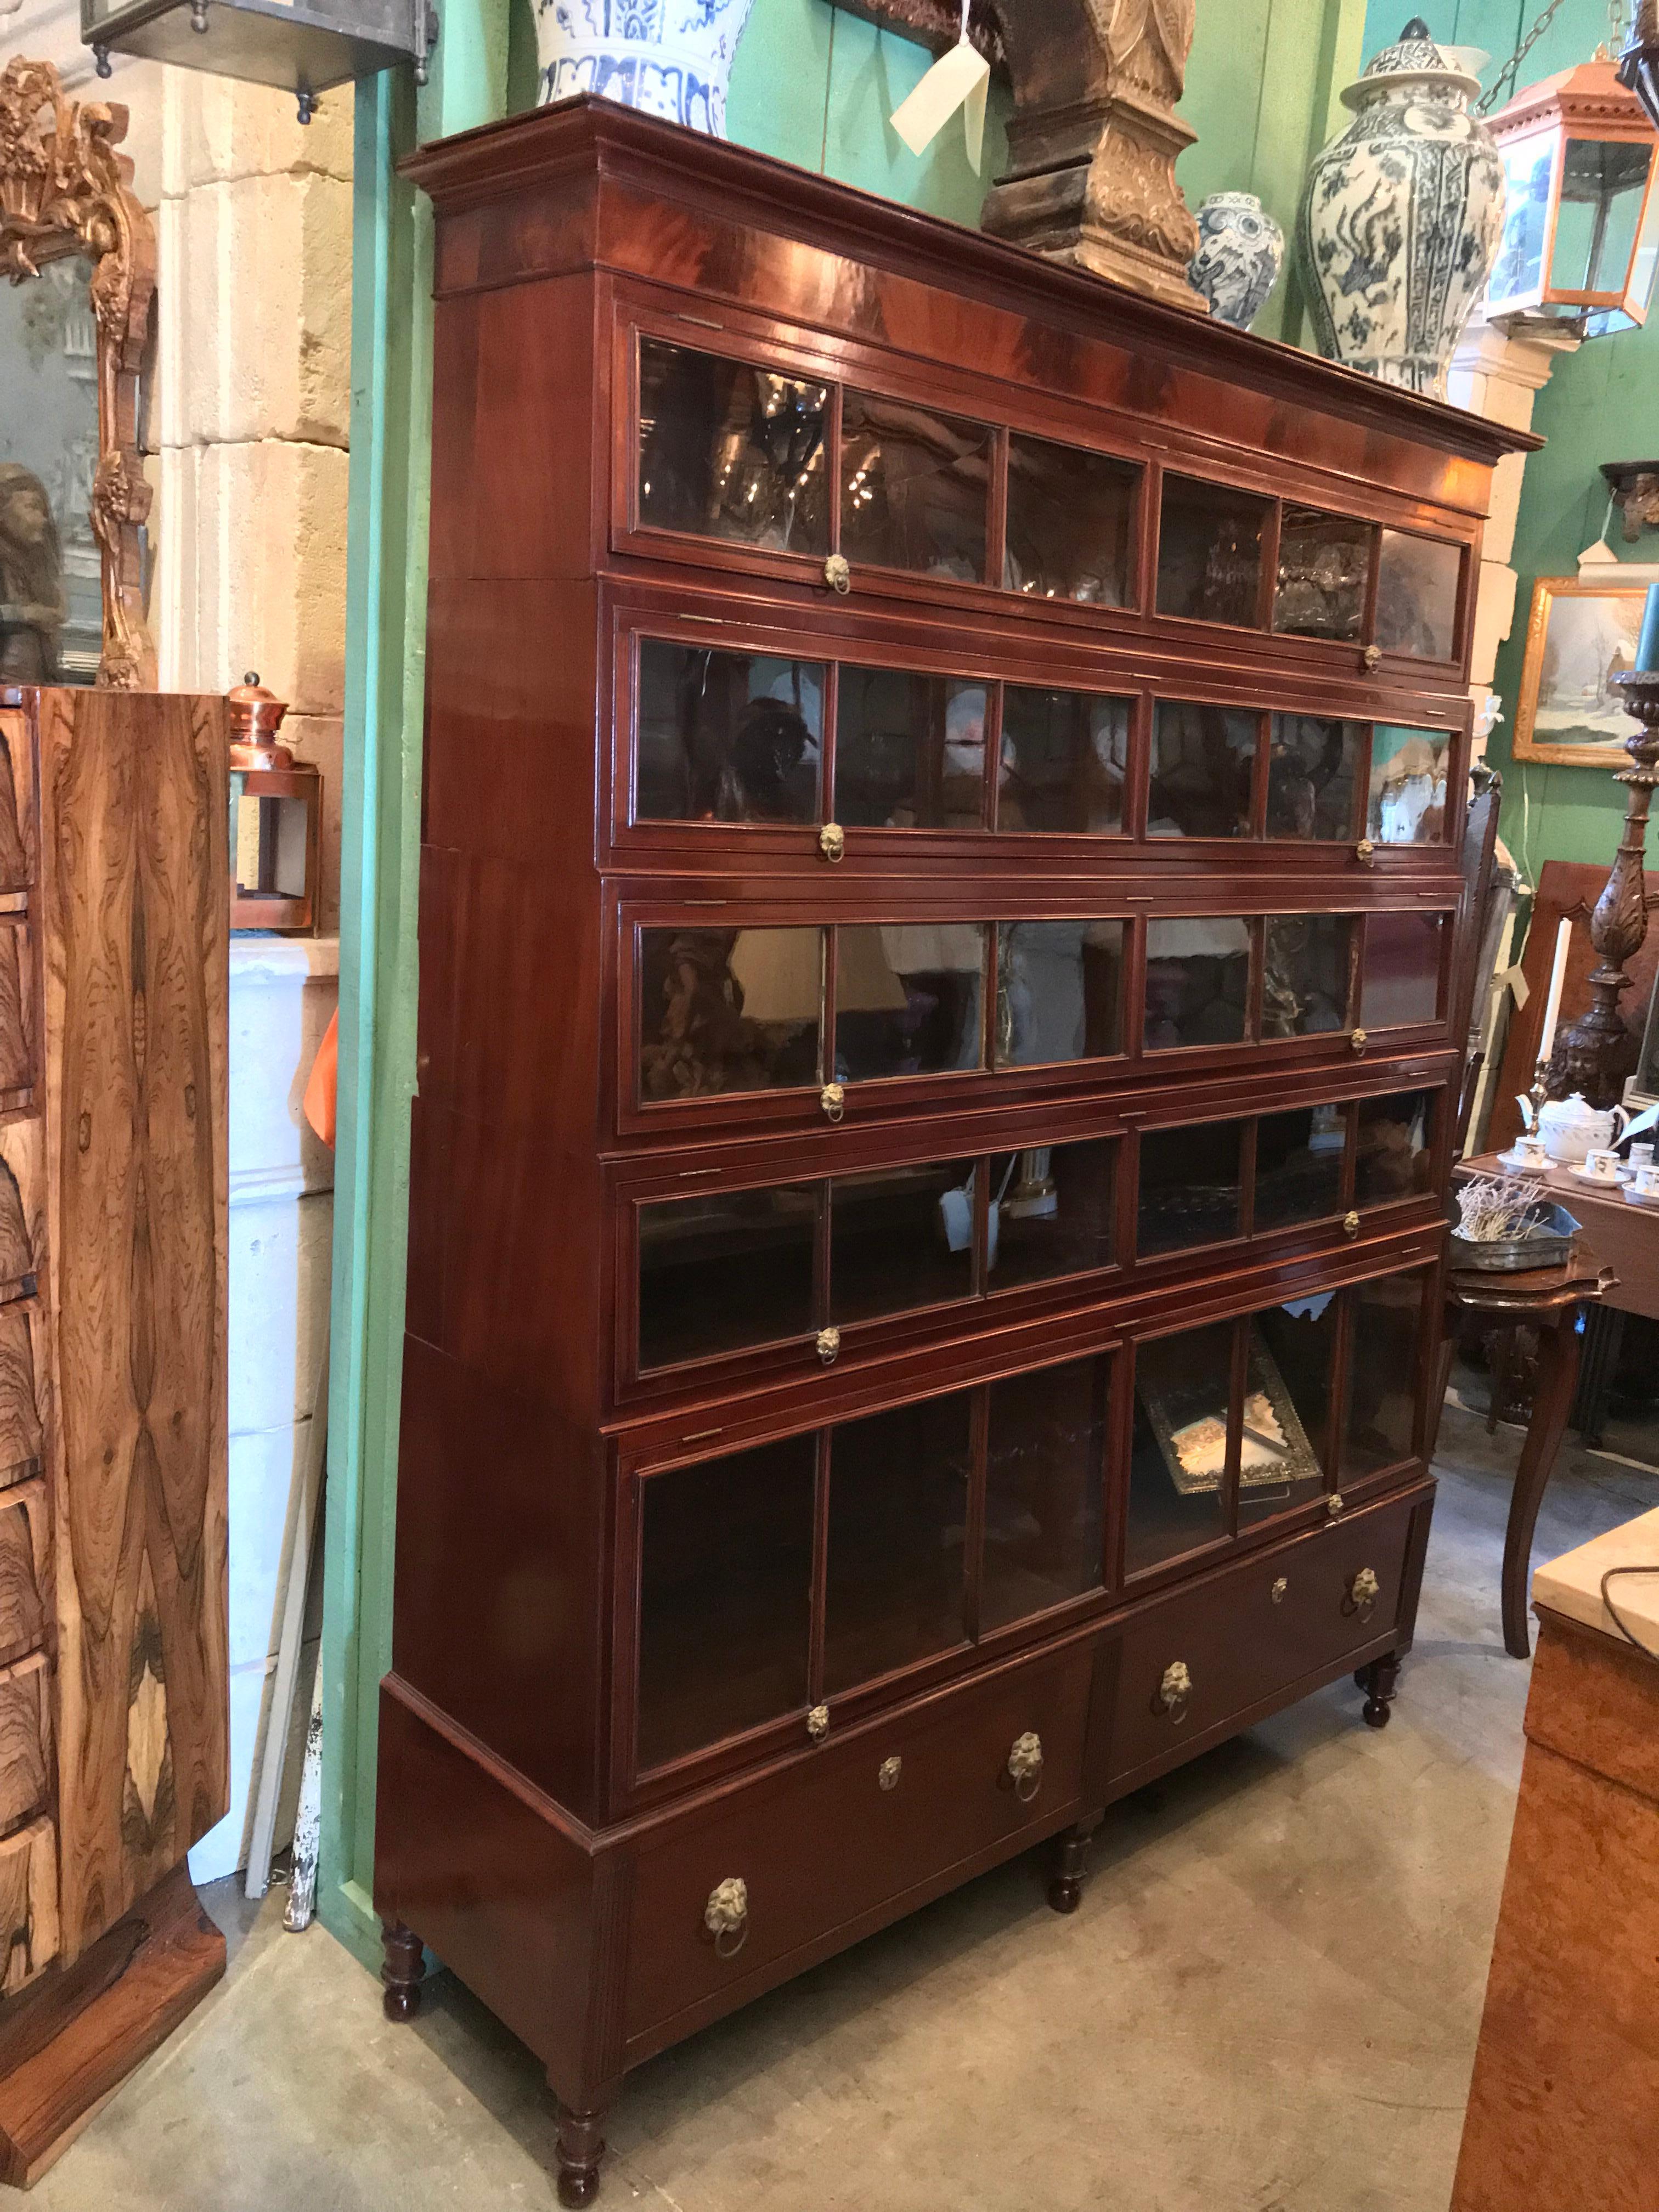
(133, 917)
(29, 1903)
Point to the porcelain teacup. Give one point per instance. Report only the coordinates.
(1640, 1156)
(1602, 1165)
(1531, 1153)
(1646, 1183)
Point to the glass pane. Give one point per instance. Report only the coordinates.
(1396, 1138)
(1060, 991)
(727, 1269)
(729, 450)
(1299, 1164)
(1324, 563)
(1178, 1458)
(1311, 777)
(908, 998)
(1408, 800)
(1070, 515)
(726, 1010)
(1209, 552)
(914, 487)
(1382, 1385)
(1203, 763)
(901, 1237)
(1044, 1489)
(1416, 580)
(1604, 184)
(1401, 978)
(1051, 1212)
(1189, 1187)
(1304, 986)
(1520, 263)
(1065, 756)
(1198, 978)
(1287, 1406)
(898, 1518)
(725, 1588)
(909, 751)
(725, 737)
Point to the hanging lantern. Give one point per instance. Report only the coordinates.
(1581, 222)
(275, 808)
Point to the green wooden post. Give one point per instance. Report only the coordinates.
(386, 640)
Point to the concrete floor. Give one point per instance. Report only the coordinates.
(1267, 2003)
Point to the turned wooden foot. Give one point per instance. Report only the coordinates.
(581, 2146)
(1379, 1679)
(1071, 1868)
(401, 1970)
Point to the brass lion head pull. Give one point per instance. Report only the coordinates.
(832, 840)
(828, 1345)
(1174, 1691)
(1025, 1768)
(833, 1099)
(725, 1916)
(838, 574)
(1363, 1592)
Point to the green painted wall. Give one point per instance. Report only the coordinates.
(1601, 404)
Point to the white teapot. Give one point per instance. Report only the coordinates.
(1572, 1128)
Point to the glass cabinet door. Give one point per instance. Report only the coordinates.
(916, 488)
(730, 450)
(1311, 769)
(1384, 1377)
(901, 1238)
(1304, 985)
(1202, 779)
(1392, 1158)
(1284, 1445)
(1070, 523)
(726, 1588)
(1065, 761)
(1044, 1489)
(724, 1271)
(895, 1589)
(1198, 980)
(1051, 1212)
(1191, 1184)
(1184, 1448)
(1407, 802)
(1417, 587)
(1324, 566)
(1060, 991)
(1401, 980)
(1209, 551)
(728, 1010)
(908, 998)
(727, 737)
(1298, 1165)
(909, 751)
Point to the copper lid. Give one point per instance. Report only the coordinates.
(256, 715)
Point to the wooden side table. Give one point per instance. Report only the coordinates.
(1548, 1299)
(1567, 2073)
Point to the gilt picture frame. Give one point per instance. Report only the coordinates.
(1581, 632)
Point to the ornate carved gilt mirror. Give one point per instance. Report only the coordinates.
(80, 253)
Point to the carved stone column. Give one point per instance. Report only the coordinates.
(1093, 140)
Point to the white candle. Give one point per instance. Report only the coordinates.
(1558, 977)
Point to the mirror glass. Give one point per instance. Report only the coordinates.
(51, 607)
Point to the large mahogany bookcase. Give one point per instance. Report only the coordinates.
(941, 929)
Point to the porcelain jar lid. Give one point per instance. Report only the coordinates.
(1413, 60)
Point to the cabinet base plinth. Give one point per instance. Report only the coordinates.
(68, 2041)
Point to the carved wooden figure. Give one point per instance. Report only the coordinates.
(113, 1719)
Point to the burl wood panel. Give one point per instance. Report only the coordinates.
(1566, 2076)
(133, 927)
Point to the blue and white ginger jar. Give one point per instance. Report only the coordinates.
(1239, 250)
(669, 57)
(1401, 217)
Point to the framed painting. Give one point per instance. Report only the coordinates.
(1581, 634)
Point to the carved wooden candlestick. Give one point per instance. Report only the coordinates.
(1596, 1053)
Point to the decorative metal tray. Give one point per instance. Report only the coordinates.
(1546, 1245)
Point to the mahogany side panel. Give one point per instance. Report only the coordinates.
(133, 919)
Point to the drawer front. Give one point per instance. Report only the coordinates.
(1251, 1632)
(23, 1615)
(836, 1835)
(25, 1740)
(28, 1904)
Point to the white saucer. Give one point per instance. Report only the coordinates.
(1615, 1182)
(1634, 1197)
(1523, 1167)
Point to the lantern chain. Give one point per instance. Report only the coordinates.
(1504, 83)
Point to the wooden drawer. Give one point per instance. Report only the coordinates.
(25, 1740)
(1248, 1634)
(832, 1838)
(29, 1903)
(23, 1613)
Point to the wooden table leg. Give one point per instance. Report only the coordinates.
(1558, 1375)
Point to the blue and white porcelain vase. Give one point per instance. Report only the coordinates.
(1240, 249)
(1401, 217)
(669, 57)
